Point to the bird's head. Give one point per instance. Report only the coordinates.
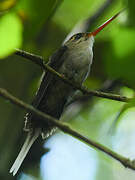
(81, 39)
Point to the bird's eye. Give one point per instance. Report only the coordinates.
(76, 36)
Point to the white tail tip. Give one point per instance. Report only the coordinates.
(31, 137)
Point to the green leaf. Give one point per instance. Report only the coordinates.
(126, 92)
(10, 34)
(36, 14)
(72, 11)
(119, 54)
(7, 4)
(124, 41)
(131, 5)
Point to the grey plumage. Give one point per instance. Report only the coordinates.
(73, 60)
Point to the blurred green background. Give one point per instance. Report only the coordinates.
(40, 27)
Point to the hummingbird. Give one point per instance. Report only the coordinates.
(73, 60)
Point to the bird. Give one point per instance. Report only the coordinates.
(73, 60)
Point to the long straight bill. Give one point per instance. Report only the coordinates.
(94, 33)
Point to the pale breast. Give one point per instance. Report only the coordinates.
(77, 64)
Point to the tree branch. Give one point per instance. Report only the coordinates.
(65, 128)
(40, 61)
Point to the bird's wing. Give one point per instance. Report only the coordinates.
(55, 62)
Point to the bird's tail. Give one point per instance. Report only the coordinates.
(31, 137)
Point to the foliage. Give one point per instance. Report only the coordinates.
(40, 27)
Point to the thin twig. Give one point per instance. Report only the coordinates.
(108, 85)
(65, 128)
(39, 61)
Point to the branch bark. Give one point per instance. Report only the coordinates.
(65, 128)
(40, 61)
